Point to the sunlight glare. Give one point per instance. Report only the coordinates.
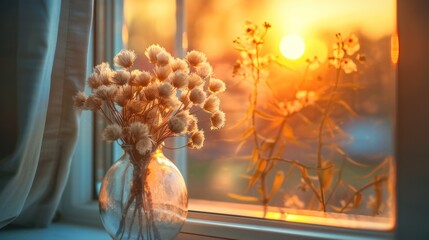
(292, 47)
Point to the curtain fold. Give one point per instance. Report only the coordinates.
(51, 46)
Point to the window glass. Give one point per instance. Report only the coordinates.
(309, 109)
(145, 23)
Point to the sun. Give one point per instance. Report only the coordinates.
(292, 46)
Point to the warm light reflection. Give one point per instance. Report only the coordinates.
(292, 47)
(295, 215)
(308, 16)
(316, 47)
(394, 48)
(148, 22)
(125, 35)
(185, 41)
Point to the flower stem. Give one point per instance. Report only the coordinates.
(320, 139)
(377, 181)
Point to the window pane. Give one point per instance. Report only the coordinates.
(356, 138)
(140, 29)
(323, 122)
(148, 22)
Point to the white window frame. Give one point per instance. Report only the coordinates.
(412, 151)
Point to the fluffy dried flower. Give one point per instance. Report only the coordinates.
(196, 140)
(151, 92)
(152, 51)
(104, 73)
(106, 92)
(165, 90)
(144, 145)
(106, 77)
(193, 123)
(163, 58)
(195, 58)
(184, 116)
(143, 79)
(138, 131)
(217, 120)
(204, 69)
(102, 67)
(94, 81)
(179, 79)
(112, 132)
(171, 103)
(121, 100)
(79, 100)
(135, 106)
(93, 103)
(216, 85)
(212, 104)
(153, 117)
(184, 98)
(162, 72)
(133, 75)
(176, 125)
(123, 95)
(197, 96)
(179, 65)
(125, 58)
(142, 106)
(121, 77)
(194, 81)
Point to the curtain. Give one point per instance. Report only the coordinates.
(44, 46)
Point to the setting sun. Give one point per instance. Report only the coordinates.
(292, 46)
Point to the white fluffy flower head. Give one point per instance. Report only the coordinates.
(145, 107)
(195, 58)
(125, 58)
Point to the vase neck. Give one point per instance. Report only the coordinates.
(136, 157)
(158, 150)
(131, 147)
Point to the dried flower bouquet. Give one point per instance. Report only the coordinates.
(144, 108)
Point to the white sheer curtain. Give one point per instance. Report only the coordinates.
(43, 55)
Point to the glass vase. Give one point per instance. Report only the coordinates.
(143, 197)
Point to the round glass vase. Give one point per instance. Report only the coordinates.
(143, 197)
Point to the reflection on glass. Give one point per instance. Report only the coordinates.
(364, 135)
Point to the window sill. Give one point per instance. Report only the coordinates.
(244, 228)
(207, 226)
(378, 225)
(68, 231)
(63, 231)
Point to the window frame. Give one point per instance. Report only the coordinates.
(411, 156)
(78, 204)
